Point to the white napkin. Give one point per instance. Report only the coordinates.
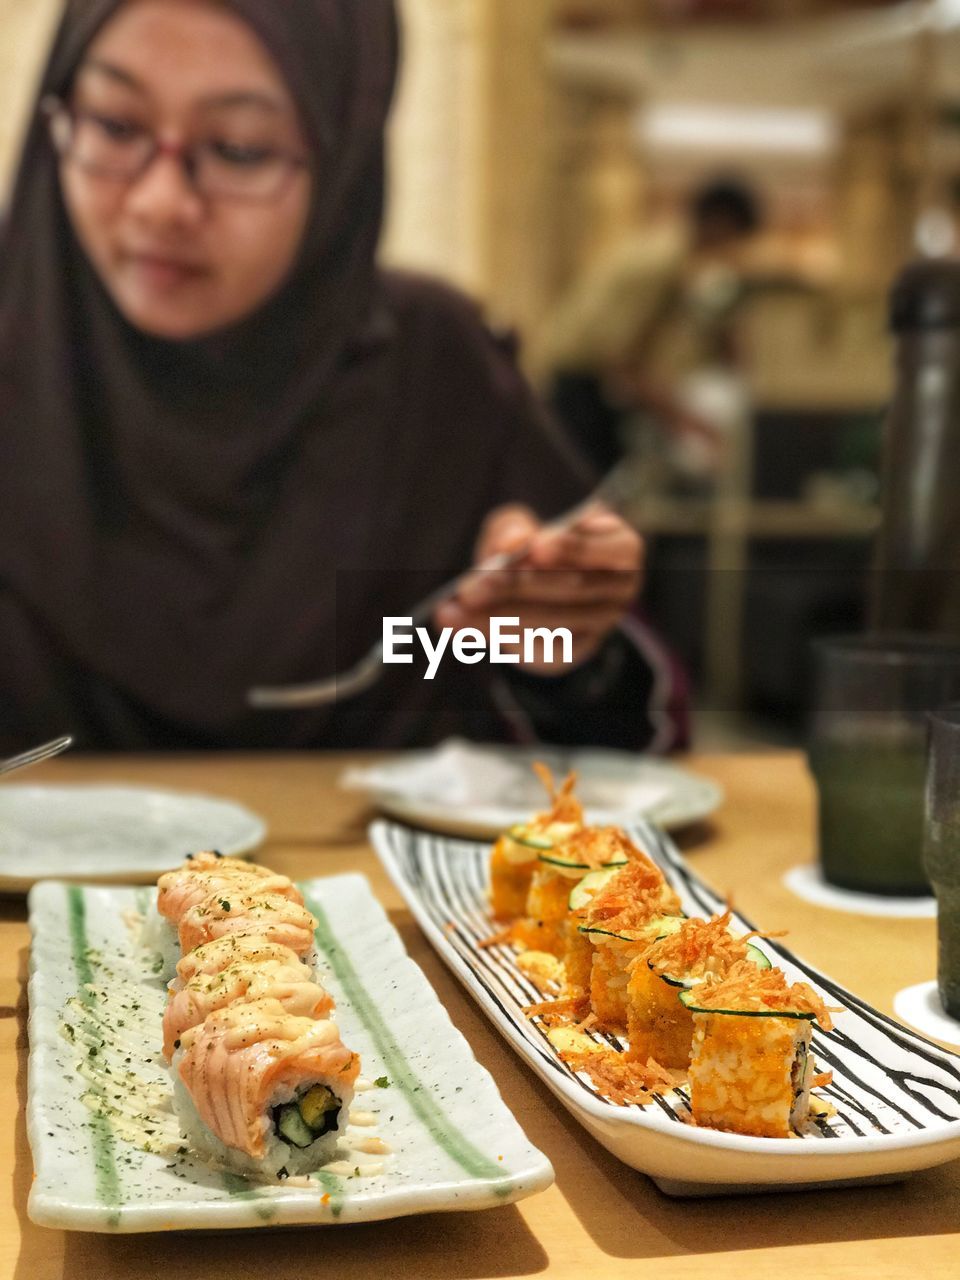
(461, 773)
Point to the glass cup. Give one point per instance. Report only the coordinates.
(868, 754)
(941, 847)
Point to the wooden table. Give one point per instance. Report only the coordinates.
(600, 1218)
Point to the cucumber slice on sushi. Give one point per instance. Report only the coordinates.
(656, 929)
(570, 864)
(753, 953)
(590, 886)
(686, 998)
(520, 834)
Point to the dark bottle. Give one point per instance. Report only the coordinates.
(917, 584)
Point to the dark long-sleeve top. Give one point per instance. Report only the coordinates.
(375, 503)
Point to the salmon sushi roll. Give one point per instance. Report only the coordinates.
(752, 1065)
(261, 1092)
(233, 948)
(187, 886)
(270, 916)
(289, 982)
(208, 872)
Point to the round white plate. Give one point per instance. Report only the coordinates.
(920, 1007)
(478, 791)
(112, 832)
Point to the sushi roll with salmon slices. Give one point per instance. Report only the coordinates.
(752, 1066)
(285, 979)
(270, 916)
(515, 853)
(201, 875)
(261, 1092)
(230, 949)
(204, 873)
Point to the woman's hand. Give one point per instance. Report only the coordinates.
(584, 578)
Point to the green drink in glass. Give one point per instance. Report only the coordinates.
(941, 848)
(868, 755)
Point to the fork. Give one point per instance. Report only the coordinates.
(614, 491)
(36, 754)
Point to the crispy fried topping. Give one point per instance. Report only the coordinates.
(752, 990)
(619, 1079)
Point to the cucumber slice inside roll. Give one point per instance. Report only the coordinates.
(308, 1119)
(292, 1126)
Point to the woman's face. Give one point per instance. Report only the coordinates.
(184, 256)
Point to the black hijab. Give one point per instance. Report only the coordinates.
(173, 515)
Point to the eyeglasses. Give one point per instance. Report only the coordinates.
(120, 149)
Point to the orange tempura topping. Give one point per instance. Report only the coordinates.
(752, 990)
(620, 1079)
(597, 847)
(633, 898)
(564, 806)
(698, 947)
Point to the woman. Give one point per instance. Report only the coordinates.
(232, 444)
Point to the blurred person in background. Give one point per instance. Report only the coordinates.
(643, 331)
(232, 444)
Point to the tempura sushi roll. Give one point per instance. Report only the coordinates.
(269, 916)
(515, 853)
(262, 1093)
(658, 1025)
(288, 981)
(751, 1065)
(614, 927)
(559, 870)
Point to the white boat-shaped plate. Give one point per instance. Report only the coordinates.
(897, 1095)
(477, 791)
(112, 833)
(454, 1144)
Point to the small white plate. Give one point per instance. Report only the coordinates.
(897, 1096)
(454, 1144)
(478, 791)
(807, 882)
(109, 833)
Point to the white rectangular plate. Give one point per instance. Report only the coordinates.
(454, 1143)
(897, 1096)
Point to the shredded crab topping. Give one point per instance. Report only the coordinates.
(597, 847)
(564, 806)
(562, 1013)
(620, 1079)
(698, 947)
(634, 897)
(751, 990)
